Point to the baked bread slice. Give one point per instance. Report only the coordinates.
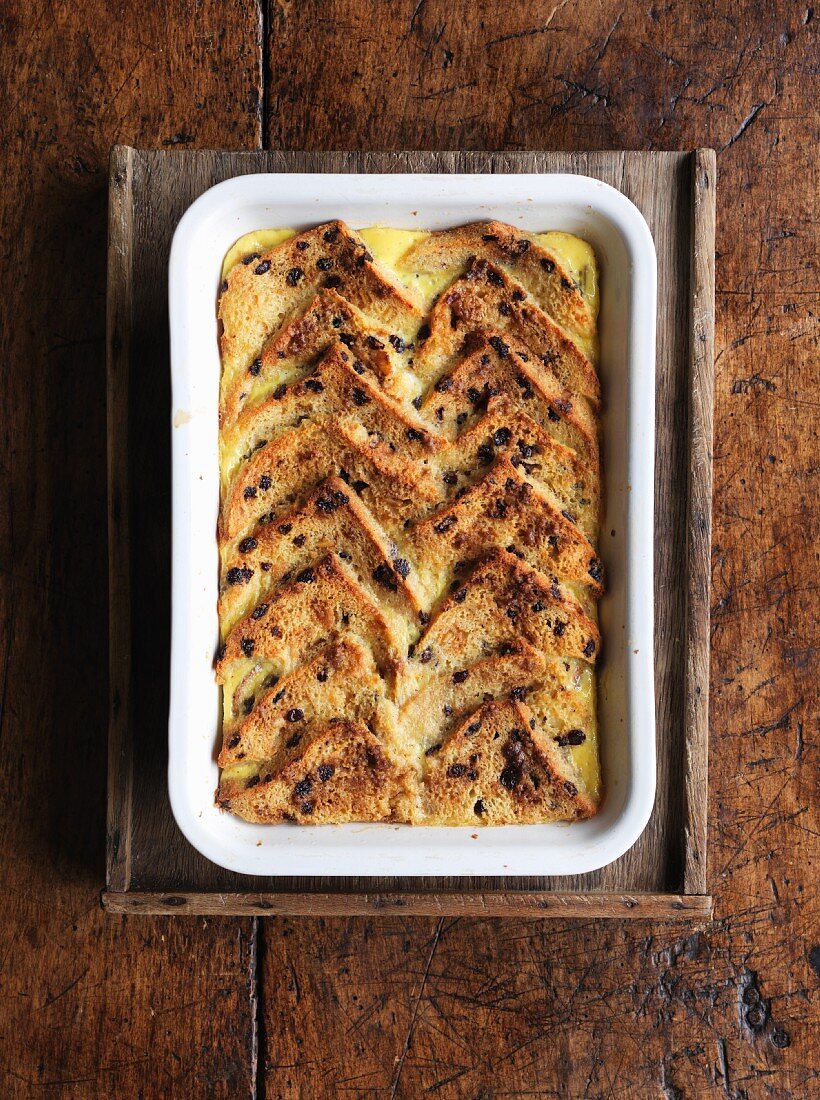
(339, 381)
(490, 367)
(261, 291)
(289, 353)
(505, 510)
(540, 269)
(343, 773)
(506, 429)
(486, 296)
(408, 528)
(282, 472)
(499, 602)
(498, 767)
(331, 521)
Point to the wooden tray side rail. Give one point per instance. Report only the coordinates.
(150, 867)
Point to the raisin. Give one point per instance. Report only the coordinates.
(519, 694)
(314, 385)
(461, 595)
(443, 385)
(233, 740)
(324, 263)
(450, 477)
(360, 486)
(445, 525)
(321, 675)
(494, 277)
(254, 779)
(566, 284)
(486, 452)
(385, 577)
(239, 575)
(307, 576)
(480, 809)
(416, 402)
(455, 771)
(248, 646)
(504, 309)
(249, 259)
(325, 771)
(525, 449)
(517, 296)
(358, 366)
(285, 528)
(426, 655)
(294, 275)
(510, 777)
(398, 343)
(249, 492)
(302, 245)
(331, 234)
(447, 710)
(280, 391)
(461, 676)
(498, 345)
(402, 567)
(303, 787)
(255, 367)
(432, 750)
(248, 544)
(548, 266)
(360, 397)
(259, 611)
(571, 737)
(263, 268)
(595, 570)
(294, 715)
(423, 333)
(501, 437)
(299, 541)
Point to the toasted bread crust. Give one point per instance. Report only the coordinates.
(408, 531)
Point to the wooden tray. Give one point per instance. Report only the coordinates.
(150, 866)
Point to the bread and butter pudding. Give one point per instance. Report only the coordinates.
(410, 498)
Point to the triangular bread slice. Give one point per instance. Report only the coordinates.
(343, 774)
(306, 335)
(435, 700)
(500, 768)
(340, 681)
(504, 510)
(260, 291)
(320, 605)
(501, 601)
(506, 429)
(485, 297)
(338, 384)
(536, 266)
(284, 471)
(332, 520)
(487, 369)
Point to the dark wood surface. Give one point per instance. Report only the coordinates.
(147, 855)
(98, 1005)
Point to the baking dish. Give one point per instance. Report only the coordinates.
(626, 708)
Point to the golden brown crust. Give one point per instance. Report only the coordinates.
(408, 532)
(538, 268)
(486, 296)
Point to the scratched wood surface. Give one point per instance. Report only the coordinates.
(151, 867)
(94, 1005)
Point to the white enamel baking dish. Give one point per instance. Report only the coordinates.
(621, 237)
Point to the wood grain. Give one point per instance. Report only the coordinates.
(662, 185)
(397, 1006)
(456, 903)
(92, 1005)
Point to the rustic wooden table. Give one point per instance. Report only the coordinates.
(95, 1005)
